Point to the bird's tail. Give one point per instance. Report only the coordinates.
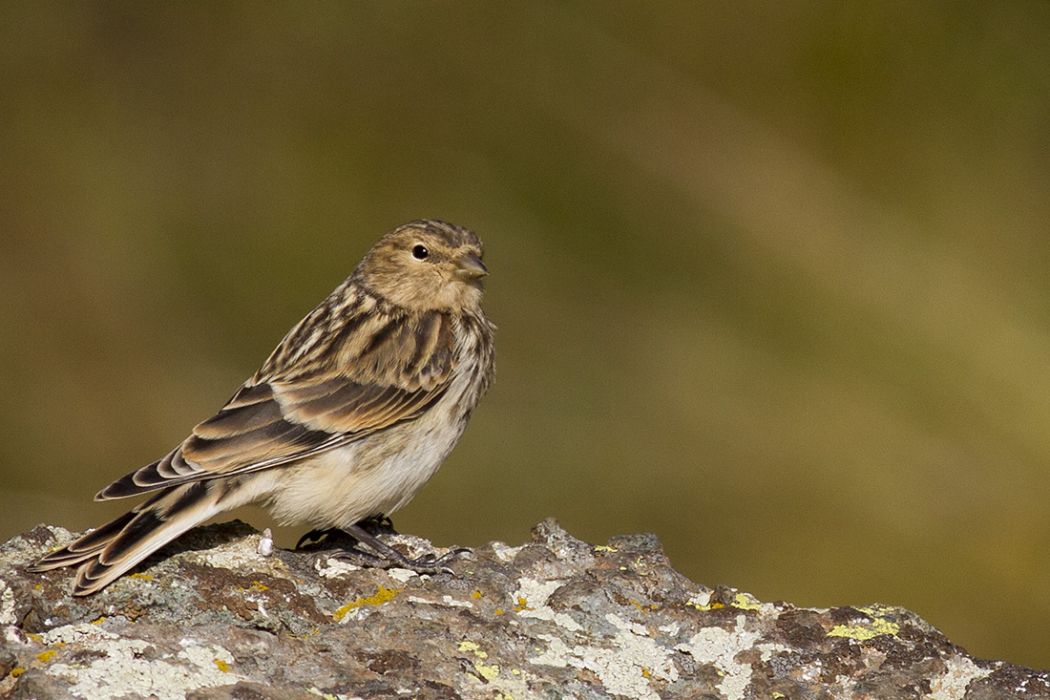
(104, 554)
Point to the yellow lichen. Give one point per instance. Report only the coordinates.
(863, 631)
(605, 548)
(474, 648)
(521, 604)
(99, 620)
(258, 586)
(382, 595)
(45, 656)
(499, 611)
(746, 601)
(877, 610)
(308, 634)
(222, 665)
(488, 672)
(643, 607)
(475, 594)
(17, 671)
(704, 607)
(646, 673)
(141, 576)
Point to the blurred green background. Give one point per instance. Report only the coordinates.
(771, 278)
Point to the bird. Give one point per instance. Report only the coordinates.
(349, 416)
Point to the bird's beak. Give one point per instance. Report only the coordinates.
(469, 266)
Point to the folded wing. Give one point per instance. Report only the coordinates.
(339, 394)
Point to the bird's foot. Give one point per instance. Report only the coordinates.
(384, 556)
(426, 564)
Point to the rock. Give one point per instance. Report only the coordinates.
(209, 617)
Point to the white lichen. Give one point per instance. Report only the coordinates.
(701, 600)
(334, 568)
(719, 647)
(7, 604)
(120, 669)
(624, 662)
(557, 653)
(401, 575)
(205, 655)
(535, 592)
(530, 599)
(958, 676)
(504, 552)
(67, 634)
(236, 555)
(671, 630)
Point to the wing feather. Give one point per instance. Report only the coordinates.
(340, 393)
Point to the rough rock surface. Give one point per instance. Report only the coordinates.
(210, 617)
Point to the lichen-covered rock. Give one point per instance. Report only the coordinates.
(210, 617)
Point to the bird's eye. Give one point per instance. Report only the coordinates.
(420, 252)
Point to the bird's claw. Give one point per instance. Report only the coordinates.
(435, 563)
(357, 558)
(381, 554)
(429, 564)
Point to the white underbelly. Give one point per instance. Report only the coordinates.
(378, 474)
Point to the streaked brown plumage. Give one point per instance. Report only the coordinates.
(349, 416)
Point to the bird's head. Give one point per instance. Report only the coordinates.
(426, 265)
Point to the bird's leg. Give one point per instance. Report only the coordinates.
(376, 525)
(344, 544)
(386, 557)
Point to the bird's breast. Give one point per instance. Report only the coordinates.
(383, 471)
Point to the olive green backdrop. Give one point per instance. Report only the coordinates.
(771, 278)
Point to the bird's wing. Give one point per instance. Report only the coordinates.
(323, 395)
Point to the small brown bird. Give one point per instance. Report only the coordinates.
(349, 416)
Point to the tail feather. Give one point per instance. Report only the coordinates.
(91, 543)
(84, 548)
(108, 552)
